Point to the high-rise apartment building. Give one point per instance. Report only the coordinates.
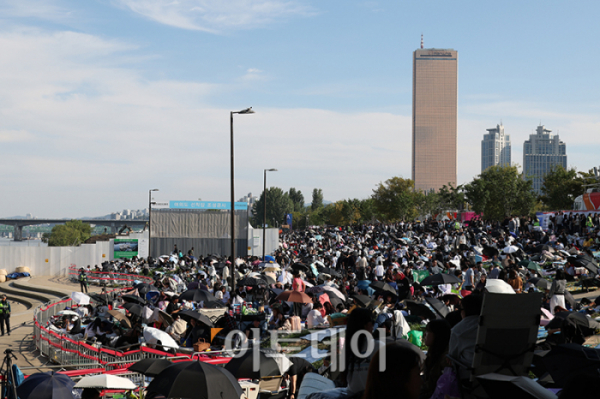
(541, 153)
(435, 85)
(495, 148)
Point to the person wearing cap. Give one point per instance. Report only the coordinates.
(83, 280)
(4, 315)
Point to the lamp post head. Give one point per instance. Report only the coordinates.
(155, 189)
(245, 111)
(270, 170)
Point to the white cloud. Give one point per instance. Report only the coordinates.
(43, 9)
(91, 135)
(216, 15)
(253, 75)
(100, 134)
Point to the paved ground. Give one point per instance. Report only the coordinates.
(21, 320)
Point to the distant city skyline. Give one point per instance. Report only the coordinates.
(104, 100)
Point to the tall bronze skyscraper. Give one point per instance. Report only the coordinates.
(435, 84)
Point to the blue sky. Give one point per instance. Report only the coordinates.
(104, 99)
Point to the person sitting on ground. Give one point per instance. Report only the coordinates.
(314, 317)
(464, 334)
(277, 319)
(399, 379)
(515, 281)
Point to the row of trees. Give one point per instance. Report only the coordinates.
(498, 192)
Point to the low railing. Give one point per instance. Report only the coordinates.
(105, 278)
(76, 353)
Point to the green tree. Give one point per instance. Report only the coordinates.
(278, 204)
(72, 233)
(343, 213)
(451, 198)
(499, 192)
(561, 186)
(394, 200)
(317, 199)
(427, 204)
(297, 199)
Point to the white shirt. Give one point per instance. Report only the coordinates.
(314, 318)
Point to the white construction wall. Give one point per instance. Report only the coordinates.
(54, 261)
(255, 241)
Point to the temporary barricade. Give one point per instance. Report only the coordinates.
(104, 278)
(76, 353)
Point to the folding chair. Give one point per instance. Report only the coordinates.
(506, 338)
(270, 387)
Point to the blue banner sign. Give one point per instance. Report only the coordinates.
(221, 205)
(288, 220)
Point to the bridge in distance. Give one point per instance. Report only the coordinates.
(114, 224)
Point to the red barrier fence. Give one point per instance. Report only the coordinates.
(118, 278)
(70, 351)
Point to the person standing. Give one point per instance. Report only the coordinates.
(557, 291)
(83, 280)
(4, 315)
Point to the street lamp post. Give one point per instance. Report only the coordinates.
(232, 267)
(265, 210)
(150, 219)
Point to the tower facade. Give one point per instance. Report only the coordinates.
(541, 153)
(495, 148)
(435, 93)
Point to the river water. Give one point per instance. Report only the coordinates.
(6, 242)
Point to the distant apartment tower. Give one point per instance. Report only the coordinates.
(495, 148)
(435, 85)
(541, 153)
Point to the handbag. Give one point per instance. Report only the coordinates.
(201, 345)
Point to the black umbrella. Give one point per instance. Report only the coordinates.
(192, 314)
(197, 296)
(362, 300)
(440, 278)
(540, 282)
(586, 323)
(46, 386)
(490, 252)
(330, 271)
(584, 261)
(220, 265)
(420, 309)
(100, 298)
(567, 360)
(150, 367)
(196, 380)
(438, 306)
(268, 279)
(252, 282)
(214, 304)
(299, 365)
(300, 267)
(335, 301)
(134, 308)
(383, 287)
(243, 366)
(144, 288)
(134, 299)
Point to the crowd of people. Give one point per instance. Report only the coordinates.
(370, 278)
